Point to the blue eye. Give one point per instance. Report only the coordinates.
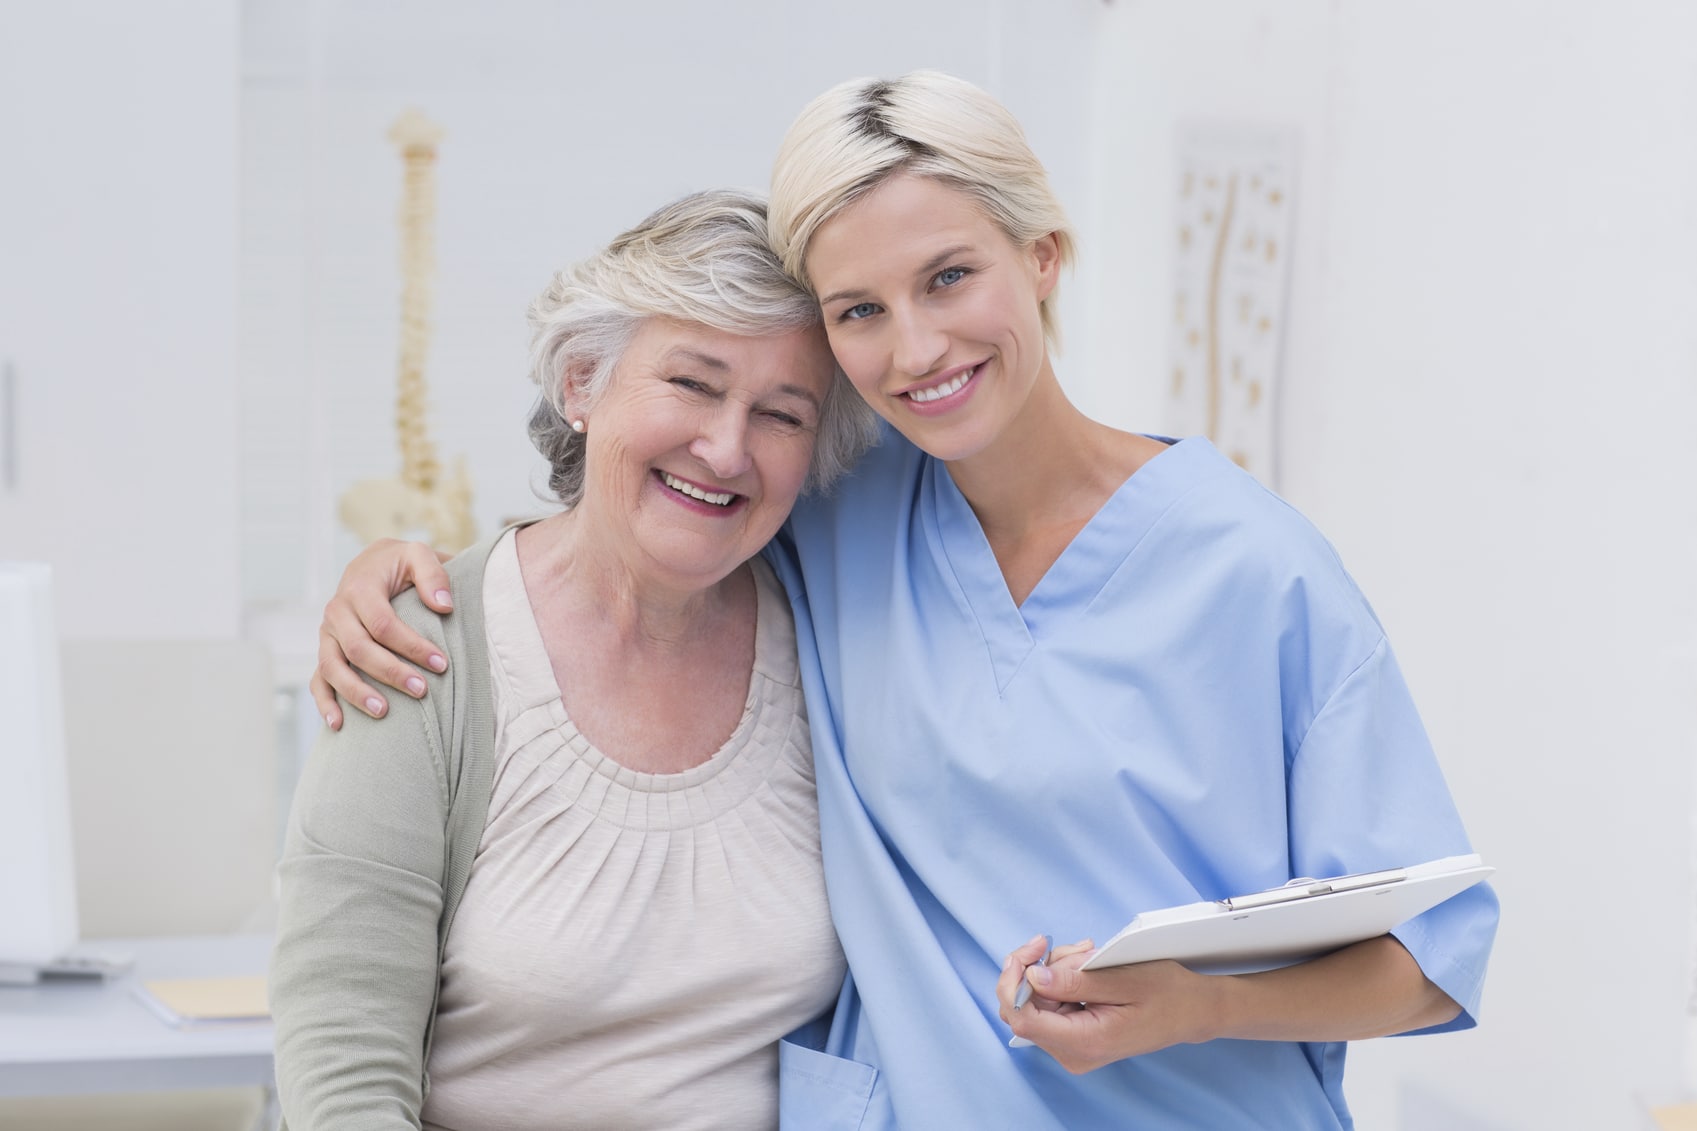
(861, 310)
(949, 276)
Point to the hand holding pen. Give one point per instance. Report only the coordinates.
(1016, 979)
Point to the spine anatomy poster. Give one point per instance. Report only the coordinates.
(1233, 223)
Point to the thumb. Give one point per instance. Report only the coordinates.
(1058, 983)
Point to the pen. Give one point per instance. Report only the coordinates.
(1024, 994)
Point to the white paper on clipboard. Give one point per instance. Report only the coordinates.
(1304, 919)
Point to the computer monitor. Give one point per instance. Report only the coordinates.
(38, 895)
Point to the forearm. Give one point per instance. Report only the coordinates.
(352, 998)
(355, 969)
(1371, 989)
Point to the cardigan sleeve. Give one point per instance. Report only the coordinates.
(355, 969)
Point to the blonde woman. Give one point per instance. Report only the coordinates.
(1060, 674)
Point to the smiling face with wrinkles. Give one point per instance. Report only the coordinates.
(699, 447)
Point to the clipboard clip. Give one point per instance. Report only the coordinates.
(1307, 888)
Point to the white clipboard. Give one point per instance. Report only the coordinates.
(1284, 925)
(1288, 924)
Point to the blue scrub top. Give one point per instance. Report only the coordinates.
(1195, 702)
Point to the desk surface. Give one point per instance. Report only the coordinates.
(71, 1037)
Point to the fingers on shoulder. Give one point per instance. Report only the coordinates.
(422, 565)
(324, 698)
(380, 646)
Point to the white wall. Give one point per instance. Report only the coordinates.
(1490, 385)
(118, 133)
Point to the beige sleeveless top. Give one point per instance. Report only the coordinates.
(631, 946)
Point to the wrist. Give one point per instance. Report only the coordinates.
(1225, 997)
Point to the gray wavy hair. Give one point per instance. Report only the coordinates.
(703, 259)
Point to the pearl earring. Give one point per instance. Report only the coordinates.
(577, 426)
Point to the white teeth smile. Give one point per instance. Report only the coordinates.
(717, 498)
(938, 392)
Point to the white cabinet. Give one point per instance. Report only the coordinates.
(118, 194)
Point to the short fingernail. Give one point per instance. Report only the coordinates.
(1040, 976)
(1007, 964)
(437, 663)
(443, 597)
(374, 705)
(330, 721)
(415, 685)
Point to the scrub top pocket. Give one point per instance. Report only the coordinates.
(821, 1092)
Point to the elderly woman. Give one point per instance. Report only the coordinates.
(614, 771)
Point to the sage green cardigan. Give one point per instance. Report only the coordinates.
(386, 820)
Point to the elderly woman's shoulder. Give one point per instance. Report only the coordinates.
(418, 616)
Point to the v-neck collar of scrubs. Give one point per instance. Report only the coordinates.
(1072, 582)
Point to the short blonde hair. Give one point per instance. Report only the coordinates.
(852, 137)
(704, 259)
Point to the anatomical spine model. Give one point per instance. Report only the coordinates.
(421, 497)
